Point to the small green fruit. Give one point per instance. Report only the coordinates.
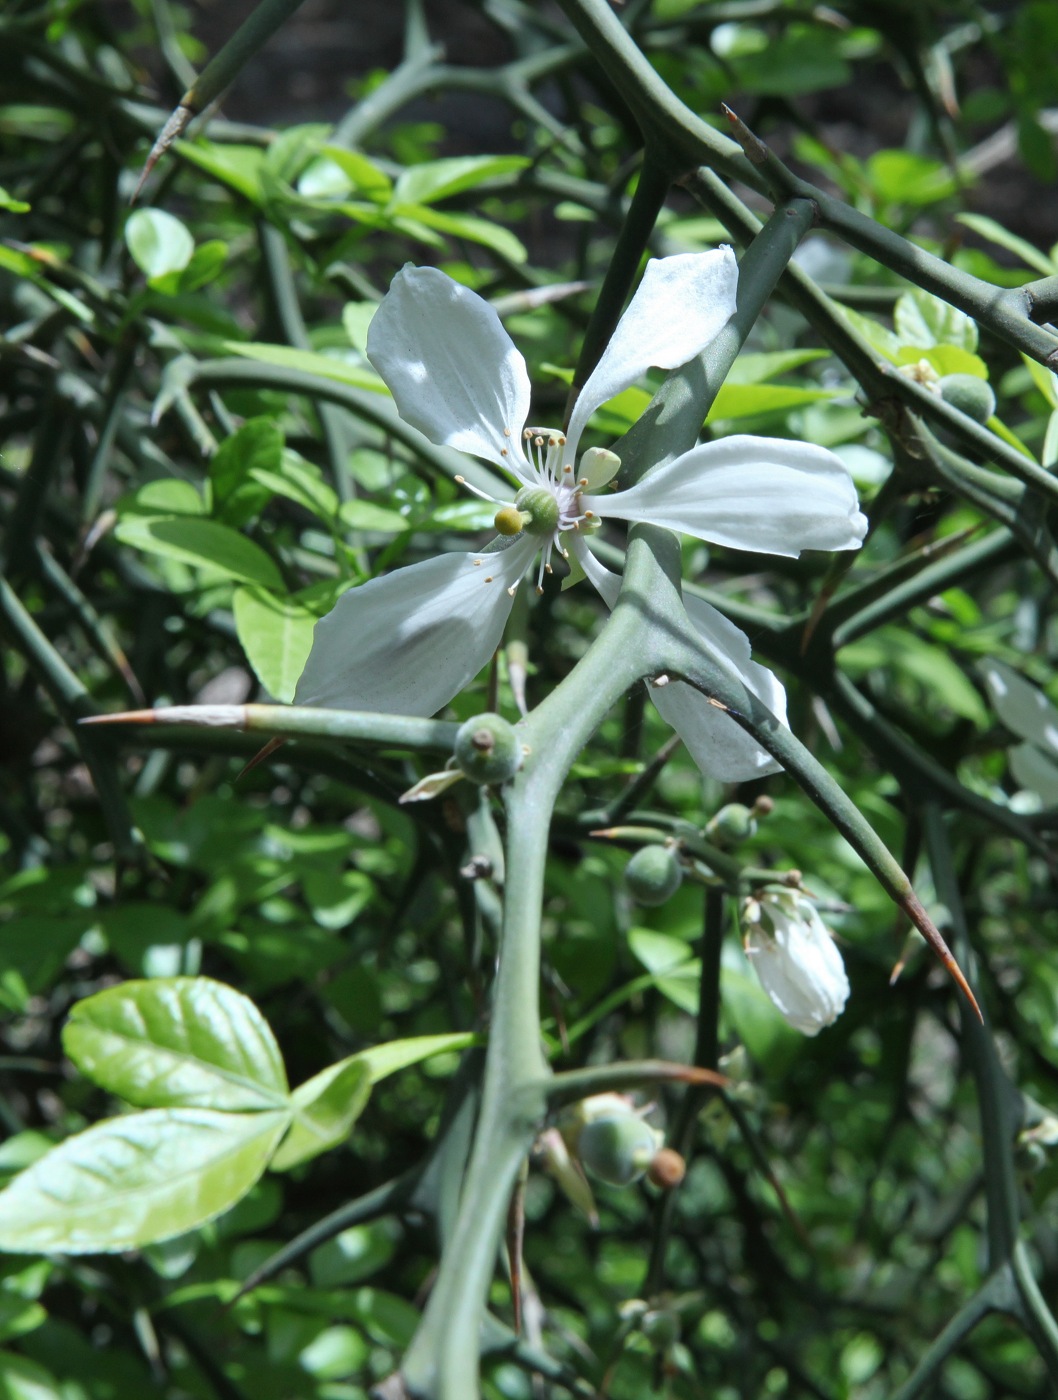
(969, 395)
(653, 875)
(488, 750)
(618, 1149)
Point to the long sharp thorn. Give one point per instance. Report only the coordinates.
(269, 749)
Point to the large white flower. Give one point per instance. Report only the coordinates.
(796, 959)
(408, 642)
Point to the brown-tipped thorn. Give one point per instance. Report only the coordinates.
(898, 967)
(124, 717)
(912, 906)
(277, 741)
(755, 150)
(176, 125)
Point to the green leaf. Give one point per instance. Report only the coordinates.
(257, 445)
(365, 515)
(921, 319)
(361, 174)
(171, 1042)
(207, 261)
(440, 179)
(945, 359)
(902, 177)
(994, 232)
(170, 496)
(749, 400)
(1045, 380)
(204, 543)
(756, 367)
(309, 362)
(483, 231)
(237, 166)
(159, 242)
(383, 1060)
(11, 204)
(325, 1109)
(135, 1180)
(300, 481)
(276, 634)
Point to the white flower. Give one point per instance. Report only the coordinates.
(796, 959)
(408, 642)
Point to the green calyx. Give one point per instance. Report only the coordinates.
(539, 510)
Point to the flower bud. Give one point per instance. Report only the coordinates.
(488, 750)
(969, 394)
(618, 1149)
(667, 1169)
(796, 959)
(732, 824)
(653, 875)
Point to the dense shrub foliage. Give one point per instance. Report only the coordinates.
(263, 1022)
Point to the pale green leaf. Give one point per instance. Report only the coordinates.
(394, 1055)
(159, 242)
(135, 1180)
(276, 634)
(325, 1109)
(185, 1042)
(309, 362)
(922, 319)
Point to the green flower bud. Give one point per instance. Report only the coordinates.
(732, 824)
(540, 506)
(618, 1149)
(969, 395)
(488, 750)
(653, 875)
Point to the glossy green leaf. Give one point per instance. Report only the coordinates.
(394, 1055)
(361, 174)
(204, 543)
(325, 1109)
(440, 179)
(234, 165)
(138, 1179)
(177, 1042)
(159, 242)
(483, 231)
(276, 634)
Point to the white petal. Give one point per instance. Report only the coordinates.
(682, 304)
(761, 494)
(1022, 706)
(800, 967)
(1034, 770)
(719, 746)
(452, 369)
(406, 643)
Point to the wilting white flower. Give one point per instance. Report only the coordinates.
(796, 959)
(408, 642)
